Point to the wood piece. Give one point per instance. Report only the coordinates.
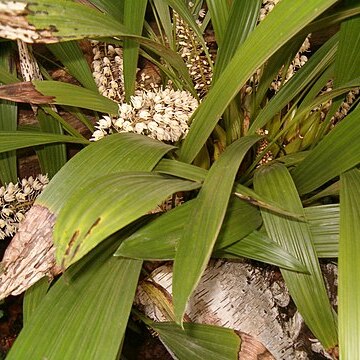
(234, 295)
(30, 254)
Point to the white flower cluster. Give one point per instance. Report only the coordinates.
(108, 74)
(262, 145)
(16, 200)
(193, 54)
(161, 114)
(108, 70)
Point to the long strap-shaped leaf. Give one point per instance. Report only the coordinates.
(120, 199)
(349, 265)
(257, 48)
(157, 240)
(57, 92)
(219, 12)
(347, 63)
(70, 21)
(164, 232)
(195, 173)
(111, 7)
(84, 315)
(307, 291)
(324, 221)
(134, 12)
(242, 19)
(205, 222)
(34, 297)
(199, 341)
(115, 153)
(73, 58)
(12, 140)
(8, 122)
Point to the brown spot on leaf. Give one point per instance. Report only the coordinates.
(71, 242)
(93, 226)
(24, 92)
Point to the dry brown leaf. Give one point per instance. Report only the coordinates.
(24, 92)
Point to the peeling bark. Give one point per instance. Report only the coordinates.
(30, 255)
(237, 296)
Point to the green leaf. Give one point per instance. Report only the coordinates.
(114, 153)
(21, 139)
(57, 92)
(158, 239)
(71, 21)
(52, 157)
(257, 48)
(65, 125)
(134, 13)
(349, 252)
(199, 341)
(254, 198)
(307, 106)
(331, 18)
(180, 169)
(307, 290)
(241, 22)
(72, 95)
(33, 298)
(81, 226)
(8, 122)
(6, 77)
(195, 173)
(258, 246)
(205, 221)
(111, 7)
(163, 13)
(347, 63)
(331, 190)
(85, 313)
(324, 223)
(219, 12)
(341, 145)
(71, 55)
